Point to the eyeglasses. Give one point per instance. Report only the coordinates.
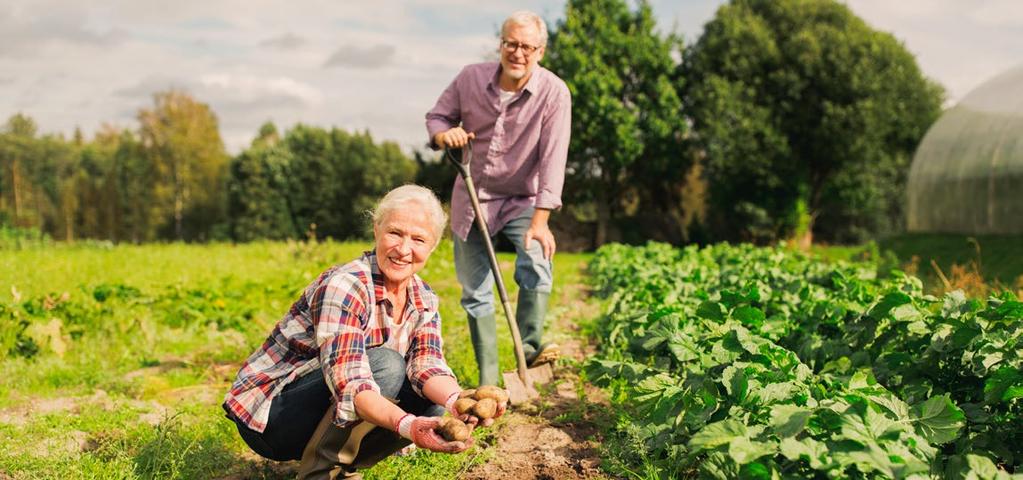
(527, 49)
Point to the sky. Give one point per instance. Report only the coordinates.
(376, 65)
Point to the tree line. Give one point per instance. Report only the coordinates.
(784, 119)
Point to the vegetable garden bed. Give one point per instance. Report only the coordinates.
(744, 362)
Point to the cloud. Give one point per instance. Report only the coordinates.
(287, 41)
(375, 56)
(152, 84)
(1000, 13)
(22, 37)
(234, 93)
(250, 90)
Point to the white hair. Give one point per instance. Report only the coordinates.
(526, 18)
(405, 194)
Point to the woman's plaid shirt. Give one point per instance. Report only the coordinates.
(339, 315)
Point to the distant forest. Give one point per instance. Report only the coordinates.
(777, 123)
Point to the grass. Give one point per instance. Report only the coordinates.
(977, 264)
(123, 354)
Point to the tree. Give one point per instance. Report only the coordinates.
(807, 116)
(181, 138)
(57, 172)
(258, 193)
(17, 145)
(627, 150)
(435, 173)
(334, 178)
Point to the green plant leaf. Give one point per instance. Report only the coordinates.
(807, 449)
(717, 434)
(749, 316)
(1003, 385)
(789, 420)
(744, 450)
(711, 311)
(736, 383)
(938, 419)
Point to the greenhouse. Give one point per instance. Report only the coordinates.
(967, 174)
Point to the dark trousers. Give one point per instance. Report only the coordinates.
(298, 409)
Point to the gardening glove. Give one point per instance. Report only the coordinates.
(421, 431)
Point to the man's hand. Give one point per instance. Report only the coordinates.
(539, 230)
(421, 431)
(453, 138)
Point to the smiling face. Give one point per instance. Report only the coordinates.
(404, 241)
(517, 65)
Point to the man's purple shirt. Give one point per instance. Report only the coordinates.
(520, 149)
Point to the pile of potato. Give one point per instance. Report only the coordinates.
(481, 402)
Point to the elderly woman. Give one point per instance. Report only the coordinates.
(355, 371)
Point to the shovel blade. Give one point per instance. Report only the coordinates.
(520, 392)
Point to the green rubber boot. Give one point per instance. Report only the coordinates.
(484, 343)
(530, 316)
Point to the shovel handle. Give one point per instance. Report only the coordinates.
(461, 162)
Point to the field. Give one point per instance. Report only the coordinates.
(974, 264)
(743, 362)
(120, 356)
(720, 362)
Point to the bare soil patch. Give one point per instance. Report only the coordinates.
(555, 437)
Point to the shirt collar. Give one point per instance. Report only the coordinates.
(531, 85)
(415, 287)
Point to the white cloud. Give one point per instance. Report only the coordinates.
(287, 41)
(374, 56)
(248, 89)
(70, 64)
(959, 44)
(1000, 13)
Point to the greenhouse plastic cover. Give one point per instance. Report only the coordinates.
(967, 174)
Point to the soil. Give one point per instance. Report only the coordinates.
(554, 437)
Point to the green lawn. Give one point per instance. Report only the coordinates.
(123, 376)
(999, 260)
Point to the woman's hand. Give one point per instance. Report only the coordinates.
(470, 419)
(449, 405)
(421, 431)
(501, 407)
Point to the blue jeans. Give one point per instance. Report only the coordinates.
(534, 276)
(297, 410)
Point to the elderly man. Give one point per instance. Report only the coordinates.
(517, 115)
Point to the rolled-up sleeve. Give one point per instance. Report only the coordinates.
(339, 306)
(553, 149)
(426, 355)
(446, 113)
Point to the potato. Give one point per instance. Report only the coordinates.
(485, 408)
(464, 405)
(470, 393)
(489, 391)
(453, 430)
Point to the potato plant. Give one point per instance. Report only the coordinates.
(738, 361)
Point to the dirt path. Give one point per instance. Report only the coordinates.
(555, 437)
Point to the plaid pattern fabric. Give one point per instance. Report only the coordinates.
(338, 316)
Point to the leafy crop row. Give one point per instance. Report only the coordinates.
(736, 361)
